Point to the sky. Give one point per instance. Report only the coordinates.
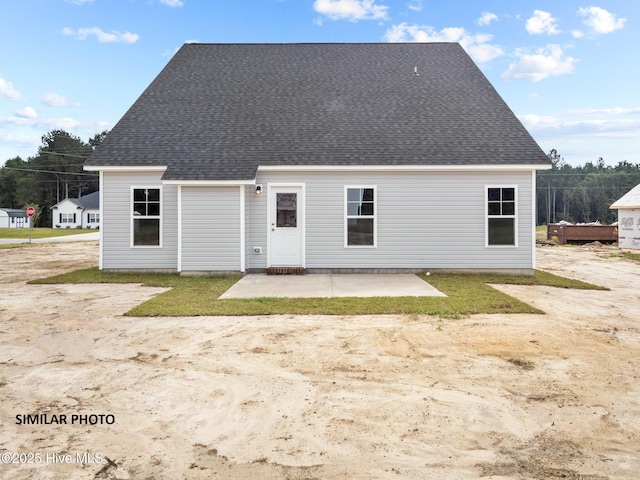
(568, 69)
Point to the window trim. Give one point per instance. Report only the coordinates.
(67, 218)
(96, 217)
(348, 217)
(514, 216)
(149, 217)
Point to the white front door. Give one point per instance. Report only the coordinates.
(286, 226)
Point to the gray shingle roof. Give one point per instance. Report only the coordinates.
(90, 201)
(15, 212)
(217, 112)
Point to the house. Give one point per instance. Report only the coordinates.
(82, 212)
(13, 218)
(318, 158)
(629, 219)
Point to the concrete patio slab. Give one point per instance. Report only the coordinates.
(331, 285)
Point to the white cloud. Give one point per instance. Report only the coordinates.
(577, 33)
(541, 22)
(101, 36)
(549, 61)
(7, 90)
(600, 20)
(20, 140)
(54, 100)
(477, 46)
(25, 135)
(78, 2)
(62, 123)
(27, 112)
(353, 10)
(41, 123)
(172, 3)
(606, 111)
(415, 5)
(537, 122)
(605, 127)
(16, 120)
(487, 18)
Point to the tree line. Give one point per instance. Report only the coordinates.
(53, 174)
(573, 194)
(582, 194)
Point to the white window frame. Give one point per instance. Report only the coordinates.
(147, 217)
(67, 218)
(373, 217)
(514, 216)
(94, 218)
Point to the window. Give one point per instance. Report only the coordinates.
(67, 218)
(93, 217)
(360, 218)
(146, 216)
(286, 210)
(501, 216)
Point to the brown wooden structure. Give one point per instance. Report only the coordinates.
(563, 233)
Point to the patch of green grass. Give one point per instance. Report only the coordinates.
(626, 255)
(632, 256)
(11, 246)
(524, 364)
(41, 232)
(194, 296)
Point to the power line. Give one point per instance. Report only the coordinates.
(64, 154)
(604, 174)
(52, 171)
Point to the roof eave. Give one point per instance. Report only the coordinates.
(410, 168)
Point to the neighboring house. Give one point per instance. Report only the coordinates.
(319, 157)
(629, 219)
(83, 212)
(13, 218)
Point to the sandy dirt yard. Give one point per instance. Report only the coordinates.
(553, 396)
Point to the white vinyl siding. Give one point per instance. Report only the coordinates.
(256, 227)
(425, 220)
(116, 223)
(211, 229)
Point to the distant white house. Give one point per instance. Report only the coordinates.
(13, 218)
(629, 219)
(83, 212)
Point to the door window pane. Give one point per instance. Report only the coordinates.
(286, 210)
